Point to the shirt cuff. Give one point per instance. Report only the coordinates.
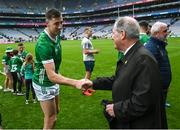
(48, 61)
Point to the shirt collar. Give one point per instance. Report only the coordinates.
(54, 40)
(128, 49)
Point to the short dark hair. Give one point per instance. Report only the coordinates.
(15, 52)
(52, 13)
(144, 24)
(20, 44)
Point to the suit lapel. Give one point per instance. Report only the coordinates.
(131, 52)
(122, 62)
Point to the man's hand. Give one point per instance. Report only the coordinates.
(87, 84)
(110, 110)
(84, 84)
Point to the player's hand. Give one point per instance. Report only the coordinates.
(83, 84)
(86, 85)
(96, 51)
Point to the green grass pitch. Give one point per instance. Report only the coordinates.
(78, 111)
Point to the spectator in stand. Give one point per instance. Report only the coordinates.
(15, 67)
(27, 71)
(157, 46)
(6, 64)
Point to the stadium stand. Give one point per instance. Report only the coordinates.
(23, 20)
(175, 28)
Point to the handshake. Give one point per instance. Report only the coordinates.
(84, 84)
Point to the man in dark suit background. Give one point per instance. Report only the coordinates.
(136, 86)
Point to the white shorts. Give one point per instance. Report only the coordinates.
(6, 69)
(46, 93)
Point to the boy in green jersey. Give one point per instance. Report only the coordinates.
(47, 62)
(5, 61)
(15, 67)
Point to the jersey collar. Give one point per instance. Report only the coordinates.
(54, 40)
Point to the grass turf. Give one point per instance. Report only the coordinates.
(78, 111)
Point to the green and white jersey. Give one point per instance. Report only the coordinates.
(47, 50)
(143, 38)
(6, 60)
(15, 64)
(22, 55)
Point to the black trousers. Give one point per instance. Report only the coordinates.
(28, 87)
(164, 96)
(17, 78)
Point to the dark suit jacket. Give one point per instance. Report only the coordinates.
(136, 91)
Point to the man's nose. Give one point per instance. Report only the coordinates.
(60, 26)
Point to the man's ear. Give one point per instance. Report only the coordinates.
(46, 22)
(123, 35)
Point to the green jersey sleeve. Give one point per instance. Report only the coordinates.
(4, 61)
(45, 51)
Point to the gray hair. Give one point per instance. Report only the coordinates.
(129, 25)
(157, 26)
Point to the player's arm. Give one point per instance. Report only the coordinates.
(22, 69)
(58, 78)
(87, 51)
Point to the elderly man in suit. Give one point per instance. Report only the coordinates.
(136, 85)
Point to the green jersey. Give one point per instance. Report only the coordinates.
(143, 38)
(15, 64)
(47, 50)
(6, 60)
(22, 55)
